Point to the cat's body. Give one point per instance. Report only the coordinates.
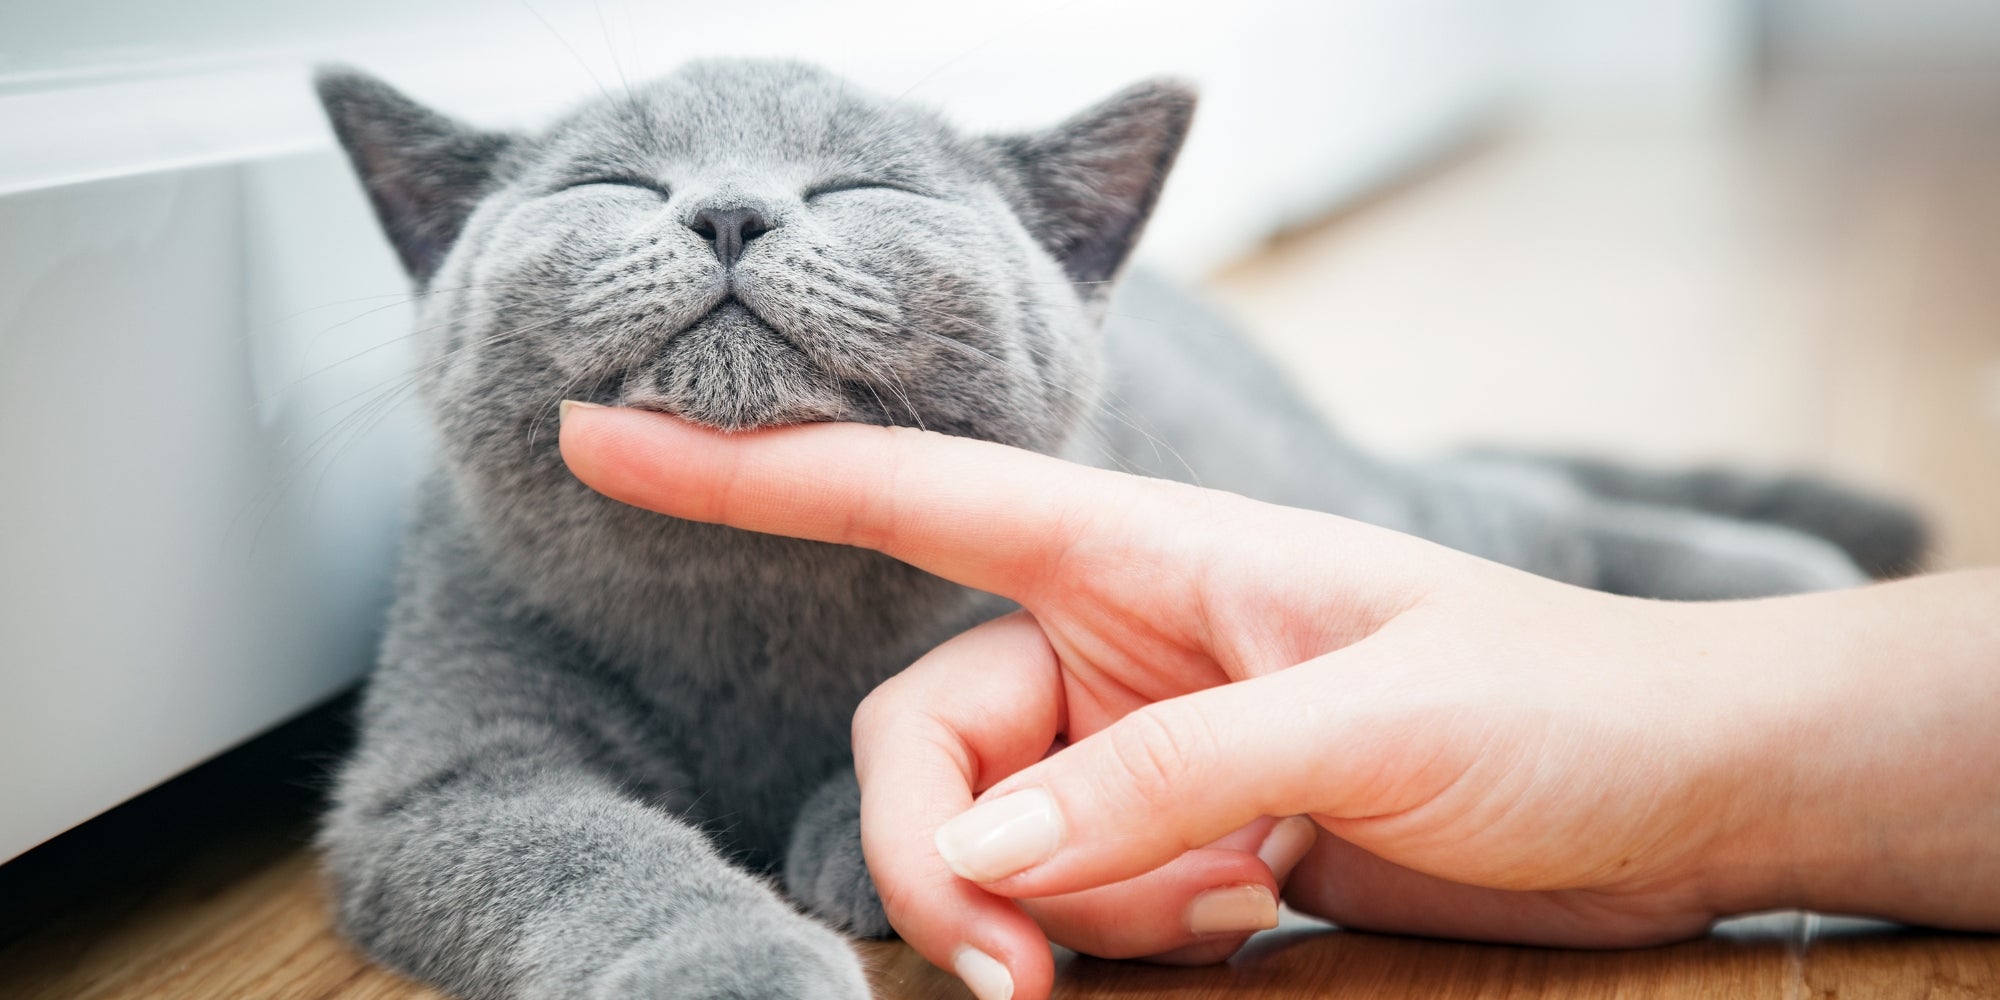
(1252, 433)
(594, 729)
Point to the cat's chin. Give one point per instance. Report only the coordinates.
(730, 370)
(742, 419)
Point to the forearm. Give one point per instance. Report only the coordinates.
(1874, 782)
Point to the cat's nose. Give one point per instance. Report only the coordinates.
(728, 230)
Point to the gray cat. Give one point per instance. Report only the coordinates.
(605, 754)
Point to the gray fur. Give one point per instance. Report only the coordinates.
(598, 735)
(1883, 536)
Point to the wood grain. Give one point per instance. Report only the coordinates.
(228, 930)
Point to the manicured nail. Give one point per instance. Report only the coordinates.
(983, 974)
(1238, 909)
(995, 839)
(562, 411)
(1287, 843)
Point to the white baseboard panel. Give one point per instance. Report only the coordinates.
(195, 546)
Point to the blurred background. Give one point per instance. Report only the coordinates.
(1756, 231)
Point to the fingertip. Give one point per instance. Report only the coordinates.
(987, 977)
(1212, 952)
(569, 406)
(655, 461)
(601, 448)
(574, 438)
(1032, 967)
(1198, 908)
(998, 952)
(1286, 845)
(1016, 970)
(1231, 910)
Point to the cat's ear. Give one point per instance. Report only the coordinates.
(423, 171)
(1087, 186)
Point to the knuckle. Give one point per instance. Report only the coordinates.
(1157, 752)
(889, 710)
(896, 899)
(873, 713)
(916, 896)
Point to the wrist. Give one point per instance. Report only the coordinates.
(1860, 728)
(1769, 718)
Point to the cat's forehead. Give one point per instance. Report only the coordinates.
(750, 115)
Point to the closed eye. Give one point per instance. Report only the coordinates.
(643, 183)
(858, 184)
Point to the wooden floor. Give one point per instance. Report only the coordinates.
(1818, 284)
(258, 929)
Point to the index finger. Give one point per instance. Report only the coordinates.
(981, 514)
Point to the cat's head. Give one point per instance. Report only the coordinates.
(749, 243)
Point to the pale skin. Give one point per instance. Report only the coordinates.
(1481, 753)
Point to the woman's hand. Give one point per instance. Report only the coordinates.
(1482, 753)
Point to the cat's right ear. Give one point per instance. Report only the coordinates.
(423, 171)
(1086, 187)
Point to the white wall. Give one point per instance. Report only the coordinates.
(195, 547)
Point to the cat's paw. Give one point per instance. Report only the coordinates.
(1765, 561)
(780, 956)
(824, 870)
(1883, 536)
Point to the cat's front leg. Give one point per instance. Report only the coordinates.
(514, 872)
(760, 953)
(824, 868)
(513, 825)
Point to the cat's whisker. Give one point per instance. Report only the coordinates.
(896, 388)
(571, 49)
(555, 406)
(1088, 427)
(324, 448)
(1108, 402)
(1116, 407)
(631, 100)
(312, 343)
(884, 407)
(445, 356)
(269, 498)
(383, 409)
(267, 398)
(407, 295)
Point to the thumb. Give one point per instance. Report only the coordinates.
(1164, 779)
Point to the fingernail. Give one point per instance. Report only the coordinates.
(562, 411)
(1238, 909)
(983, 974)
(995, 839)
(1289, 840)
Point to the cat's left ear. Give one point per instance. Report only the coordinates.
(424, 172)
(1086, 187)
